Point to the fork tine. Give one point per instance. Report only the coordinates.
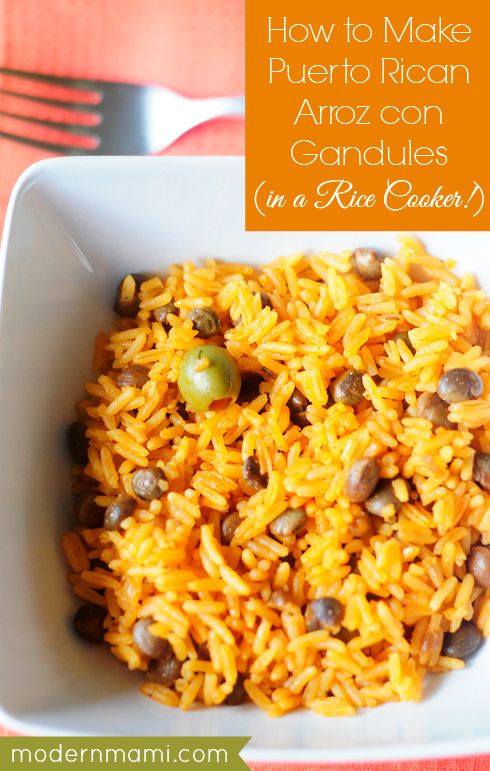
(81, 83)
(51, 147)
(78, 106)
(70, 128)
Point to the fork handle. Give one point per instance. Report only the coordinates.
(217, 107)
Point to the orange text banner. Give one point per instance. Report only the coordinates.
(367, 116)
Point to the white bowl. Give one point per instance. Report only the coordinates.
(74, 227)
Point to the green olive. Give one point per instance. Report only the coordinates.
(219, 379)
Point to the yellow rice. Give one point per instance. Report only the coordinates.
(403, 583)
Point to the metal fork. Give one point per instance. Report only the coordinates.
(130, 119)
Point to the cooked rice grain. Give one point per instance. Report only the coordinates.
(402, 581)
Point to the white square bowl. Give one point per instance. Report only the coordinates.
(74, 227)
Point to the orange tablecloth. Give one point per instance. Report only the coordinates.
(194, 46)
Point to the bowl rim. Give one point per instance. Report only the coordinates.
(414, 751)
